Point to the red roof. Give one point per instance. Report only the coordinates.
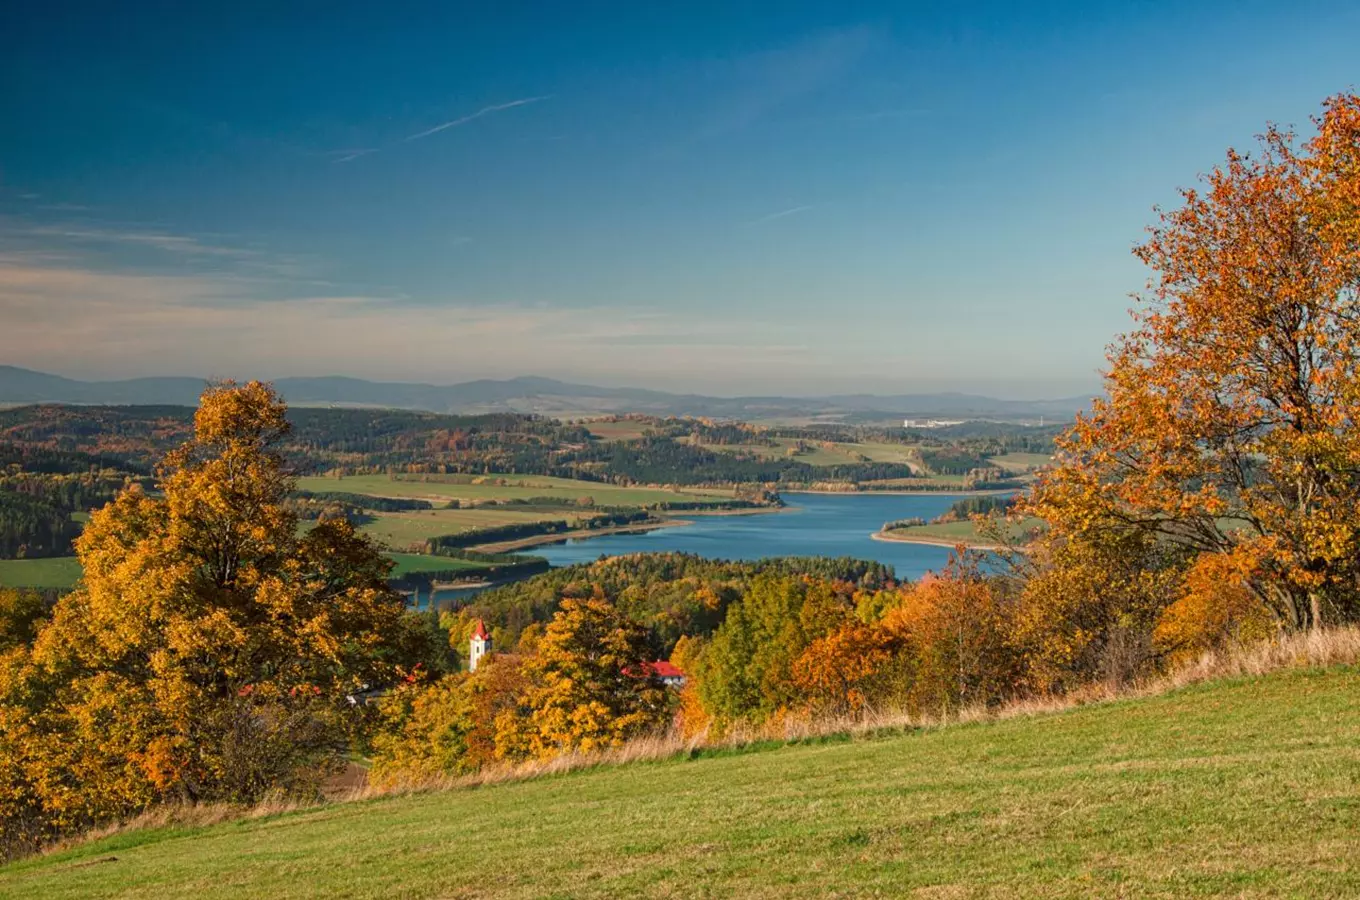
(663, 669)
(480, 631)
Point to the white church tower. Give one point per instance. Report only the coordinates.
(480, 645)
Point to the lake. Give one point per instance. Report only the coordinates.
(812, 525)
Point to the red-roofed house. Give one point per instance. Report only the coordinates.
(667, 673)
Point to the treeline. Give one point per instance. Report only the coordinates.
(671, 594)
(975, 506)
(46, 461)
(43, 492)
(365, 501)
(953, 460)
(32, 527)
(660, 460)
(354, 441)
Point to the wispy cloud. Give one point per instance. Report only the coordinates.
(123, 247)
(783, 213)
(168, 243)
(484, 111)
(763, 83)
(344, 156)
(127, 323)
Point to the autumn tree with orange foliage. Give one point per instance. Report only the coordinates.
(1216, 608)
(1232, 421)
(837, 672)
(588, 685)
(210, 650)
(954, 632)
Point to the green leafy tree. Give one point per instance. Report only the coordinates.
(747, 670)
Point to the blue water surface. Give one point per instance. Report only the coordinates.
(812, 525)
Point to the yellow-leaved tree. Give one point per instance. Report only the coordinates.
(589, 685)
(210, 652)
(1231, 424)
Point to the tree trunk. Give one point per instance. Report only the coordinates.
(1315, 610)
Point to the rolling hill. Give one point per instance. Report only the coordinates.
(1241, 788)
(532, 394)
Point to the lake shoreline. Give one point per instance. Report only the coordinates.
(664, 521)
(932, 541)
(832, 525)
(951, 492)
(559, 537)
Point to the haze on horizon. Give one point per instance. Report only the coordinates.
(915, 198)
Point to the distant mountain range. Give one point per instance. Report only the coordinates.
(537, 395)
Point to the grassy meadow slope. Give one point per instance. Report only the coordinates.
(1245, 788)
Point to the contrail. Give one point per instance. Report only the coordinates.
(781, 214)
(344, 156)
(484, 111)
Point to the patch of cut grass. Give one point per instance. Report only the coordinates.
(618, 431)
(64, 571)
(889, 453)
(57, 572)
(408, 563)
(1241, 788)
(1021, 463)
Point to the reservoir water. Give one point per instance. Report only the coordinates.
(812, 525)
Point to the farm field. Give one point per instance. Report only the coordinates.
(54, 572)
(624, 430)
(63, 572)
(408, 563)
(818, 453)
(1021, 462)
(398, 530)
(1240, 788)
(892, 453)
(516, 487)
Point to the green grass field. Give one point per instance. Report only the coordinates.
(64, 571)
(617, 431)
(1245, 788)
(400, 530)
(964, 531)
(890, 453)
(517, 487)
(57, 572)
(1021, 462)
(417, 562)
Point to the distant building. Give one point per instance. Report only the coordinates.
(931, 423)
(479, 646)
(666, 673)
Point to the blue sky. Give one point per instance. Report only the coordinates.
(728, 198)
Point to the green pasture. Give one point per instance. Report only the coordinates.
(58, 572)
(515, 487)
(1246, 789)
